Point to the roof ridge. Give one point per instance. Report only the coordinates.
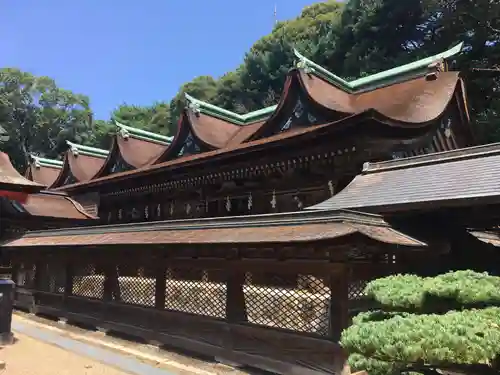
(376, 80)
(78, 149)
(198, 106)
(39, 161)
(373, 81)
(126, 131)
(490, 149)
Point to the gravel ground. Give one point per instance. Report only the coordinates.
(32, 357)
(183, 361)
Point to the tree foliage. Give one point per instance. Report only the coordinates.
(38, 116)
(448, 322)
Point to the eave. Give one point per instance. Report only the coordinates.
(274, 228)
(45, 205)
(459, 178)
(12, 180)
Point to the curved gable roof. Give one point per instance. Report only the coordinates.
(42, 170)
(81, 164)
(133, 148)
(410, 96)
(11, 179)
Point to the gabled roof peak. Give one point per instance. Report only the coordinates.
(77, 149)
(125, 131)
(380, 79)
(199, 106)
(39, 162)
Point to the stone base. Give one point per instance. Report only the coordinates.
(6, 338)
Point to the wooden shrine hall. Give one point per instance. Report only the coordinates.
(250, 237)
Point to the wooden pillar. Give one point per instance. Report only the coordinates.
(111, 284)
(339, 303)
(69, 273)
(236, 311)
(14, 270)
(160, 283)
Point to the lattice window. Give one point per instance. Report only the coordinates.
(88, 281)
(188, 274)
(26, 275)
(303, 308)
(52, 277)
(271, 280)
(195, 296)
(136, 286)
(356, 289)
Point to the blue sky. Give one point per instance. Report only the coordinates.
(132, 51)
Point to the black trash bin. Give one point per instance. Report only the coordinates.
(6, 305)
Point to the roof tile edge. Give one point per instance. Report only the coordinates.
(125, 131)
(376, 80)
(39, 162)
(198, 106)
(78, 149)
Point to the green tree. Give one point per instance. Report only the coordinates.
(38, 116)
(155, 118)
(202, 88)
(428, 325)
(380, 34)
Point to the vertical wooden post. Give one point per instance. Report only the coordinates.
(15, 270)
(235, 298)
(236, 311)
(111, 284)
(160, 283)
(68, 282)
(339, 303)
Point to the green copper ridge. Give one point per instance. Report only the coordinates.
(129, 131)
(377, 80)
(77, 149)
(44, 162)
(371, 82)
(235, 118)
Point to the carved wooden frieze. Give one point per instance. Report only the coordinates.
(190, 146)
(70, 179)
(120, 165)
(302, 115)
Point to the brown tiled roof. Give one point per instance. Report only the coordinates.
(43, 174)
(445, 178)
(135, 152)
(55, 205)
(212, 131)
(297, 227)
(83, 167)
(414, 101)
(297, 134)
(12, 179)
(138, 152)
(244, 133)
